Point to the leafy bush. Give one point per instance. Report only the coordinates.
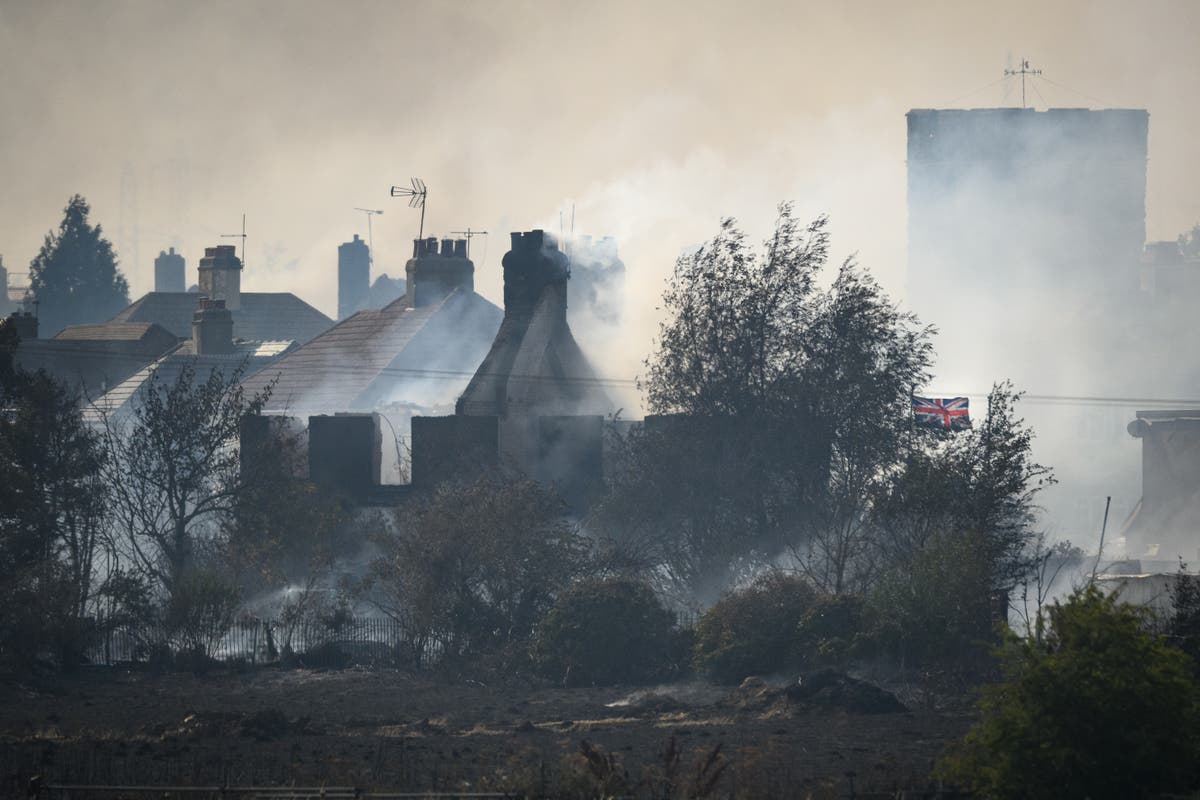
(606, 631)
(757, 629)
(475, 567)
(831, 632)
(1183, 625)
(199, 613)
(1099, 708)
(937, 608)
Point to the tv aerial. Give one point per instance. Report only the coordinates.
(469, 234)
(241, 236)
(416, 199)
(370, 212)
(1023, 71)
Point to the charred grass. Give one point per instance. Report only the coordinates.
(408, 732)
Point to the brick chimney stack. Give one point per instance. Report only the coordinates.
(212, 328)
(432, 274)
(221, 275)
(533, 265)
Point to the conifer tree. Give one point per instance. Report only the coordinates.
(74, 277)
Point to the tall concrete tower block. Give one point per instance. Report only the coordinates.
(170, 272)
(221, 275)
(1003, 202)
(354, 276)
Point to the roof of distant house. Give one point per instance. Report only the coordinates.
(262, 316)
(119, 332)
(422, 356)
(248, 355)
(94, 357)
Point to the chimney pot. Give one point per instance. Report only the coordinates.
(534, 265)
(212, 328)
(432, 276)
(221, 275)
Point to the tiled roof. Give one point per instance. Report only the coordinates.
(263, 315)
(92, 365)
(119, 332)
(253, 355)
(394, 354)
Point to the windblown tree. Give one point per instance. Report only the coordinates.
(174, 471)
(74, 277)
(790, 403)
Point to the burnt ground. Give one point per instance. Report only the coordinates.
(419, 733)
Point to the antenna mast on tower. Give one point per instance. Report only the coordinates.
(1023, 71)
(241, 236)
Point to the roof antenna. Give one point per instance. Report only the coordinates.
(571, 241)
(1023, 71)
(469, 234)
(416, 195)
(370, 212)
(241, 236)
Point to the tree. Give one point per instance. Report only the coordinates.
(954, 532)
(51, 515)
(174, 469)
(476, 566)
(793, 403)
(74, 277)
(1099, 708)
(862, 360)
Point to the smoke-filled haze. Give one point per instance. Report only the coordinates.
(653, 120)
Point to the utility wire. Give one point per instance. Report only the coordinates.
(1074, 91)
(974, 91)
(1033, 85)
(346, 368)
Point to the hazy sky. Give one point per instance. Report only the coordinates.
(654, 119)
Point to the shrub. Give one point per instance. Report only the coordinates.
(1099, 708)
(755, 630)
(476, 567)
(199, 613)
(937, 608)
(606, 631)
(1183, 624)
(831, 632)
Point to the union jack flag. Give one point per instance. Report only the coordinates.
(947, 413)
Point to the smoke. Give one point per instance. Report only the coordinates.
(653, 120)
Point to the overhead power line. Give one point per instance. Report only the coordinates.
(346, 368)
